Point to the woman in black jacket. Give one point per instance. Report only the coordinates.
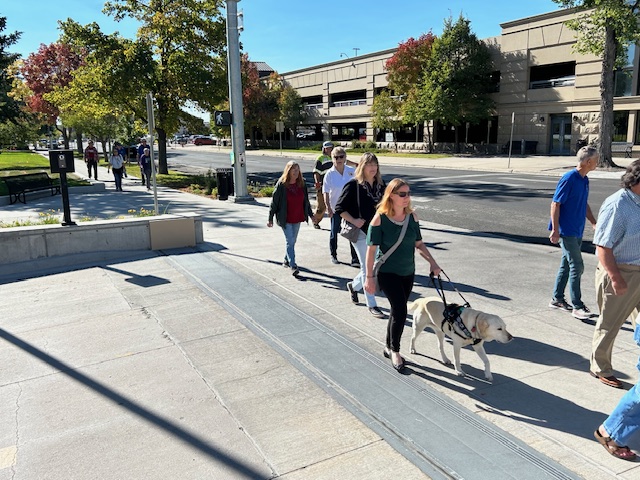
(290, 205)
(357, 204)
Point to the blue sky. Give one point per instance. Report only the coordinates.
(292, 34)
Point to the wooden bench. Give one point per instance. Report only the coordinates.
(622, 147)
(19, 185)
(530, 147)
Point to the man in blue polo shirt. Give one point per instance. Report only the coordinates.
(569, 208)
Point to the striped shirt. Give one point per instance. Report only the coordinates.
(618, 226)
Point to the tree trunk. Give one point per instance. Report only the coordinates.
(79, 145)
(162, 151)
(605, 124)
(457, 139)
(429, 139)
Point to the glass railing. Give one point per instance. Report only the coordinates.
(568, 81)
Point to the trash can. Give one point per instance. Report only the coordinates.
(224, 179)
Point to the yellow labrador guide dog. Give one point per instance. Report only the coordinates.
(473, 327)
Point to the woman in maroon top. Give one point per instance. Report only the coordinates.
(290, 205)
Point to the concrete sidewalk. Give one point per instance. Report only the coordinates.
(219, 364)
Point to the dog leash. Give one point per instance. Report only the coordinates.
(441, 289)
(452, 312)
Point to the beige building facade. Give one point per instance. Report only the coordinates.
(550, 91)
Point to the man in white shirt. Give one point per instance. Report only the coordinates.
(334, 180)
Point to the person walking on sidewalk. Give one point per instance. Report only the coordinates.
(116, 163)
(91, 159)
(334, 181)
(569, 208)
(145, 167)
(322, 166)
(617, 278)
(357, 205)
(141, 148)
(623, 423)
(290, 205)
(396, 274)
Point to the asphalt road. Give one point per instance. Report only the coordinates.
(514, 206)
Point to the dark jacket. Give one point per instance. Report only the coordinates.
(348, 202)
(279, 204)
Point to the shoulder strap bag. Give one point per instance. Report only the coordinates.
(378, 263)
(347, 229)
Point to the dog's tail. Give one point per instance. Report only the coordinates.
(412, 306)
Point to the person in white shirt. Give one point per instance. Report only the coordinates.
(334, 180)
(117, 165)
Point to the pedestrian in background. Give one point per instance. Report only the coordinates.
(617, 241)
(91, 159)
(116, 162)
(145, 167)
(357, 205)
(569, 208)
(322, 166)
(141, 148)
(334, 181)
(290, 205)
(396, 274)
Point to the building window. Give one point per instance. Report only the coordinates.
(494, 81)
(624, 76)
(348, 99)
(552, 76)
(620, 126)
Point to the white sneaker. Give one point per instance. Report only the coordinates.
(582, 313)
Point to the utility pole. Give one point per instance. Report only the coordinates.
(238, 159)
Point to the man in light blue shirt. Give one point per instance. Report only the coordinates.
(618, 283)
(617, 241)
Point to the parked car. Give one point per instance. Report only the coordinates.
(204, 140)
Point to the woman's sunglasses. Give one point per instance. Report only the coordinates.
(403, 194)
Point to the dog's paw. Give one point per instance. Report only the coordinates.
(460, 373)
(489, 377)
(413, 351)
(447, 362)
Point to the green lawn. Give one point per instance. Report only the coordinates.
(17, 163)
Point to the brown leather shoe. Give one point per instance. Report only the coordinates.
(611, 381)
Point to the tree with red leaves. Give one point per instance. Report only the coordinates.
(50, 67)
(405, 71)
(406, 67)
(259, 99)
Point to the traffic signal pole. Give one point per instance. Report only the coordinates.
(238, 158)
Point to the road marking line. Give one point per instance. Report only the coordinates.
(428, 179)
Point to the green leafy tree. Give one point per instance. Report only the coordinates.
(385, 114)
(290, 106)
(178, 56)
(9, 108)
(605, 28)
(456, 86)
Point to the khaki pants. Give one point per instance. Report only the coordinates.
(614, 311)
(320, 209)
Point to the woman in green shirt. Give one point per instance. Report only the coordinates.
(396, 274)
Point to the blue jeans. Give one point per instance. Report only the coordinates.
(290, 236)
(358, 281)
(571, 268)
(624, 422)
(333, 238)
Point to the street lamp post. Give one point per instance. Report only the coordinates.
(238, 159)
